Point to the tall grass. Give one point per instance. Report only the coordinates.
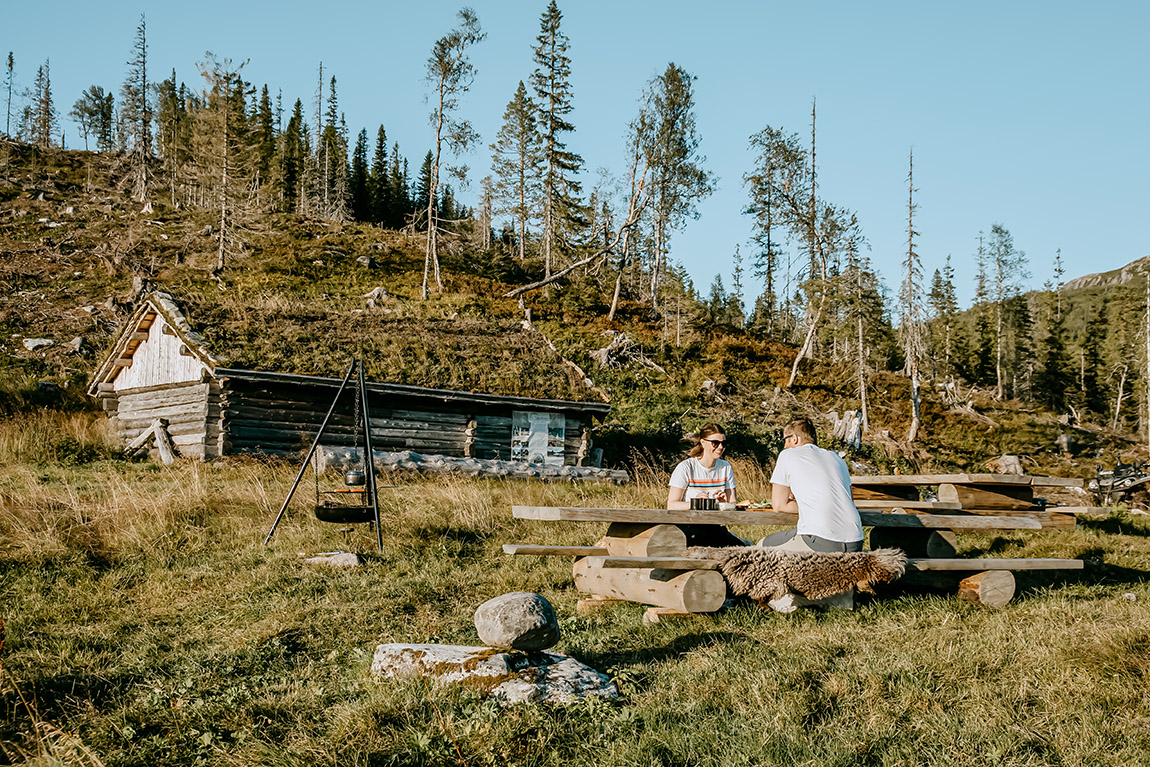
(147, 621)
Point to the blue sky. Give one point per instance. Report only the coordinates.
(1029, 114)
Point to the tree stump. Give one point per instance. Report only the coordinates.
(638, 540)
(993, 588)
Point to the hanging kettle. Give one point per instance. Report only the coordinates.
(355, 478)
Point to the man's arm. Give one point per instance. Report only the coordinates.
(782, 500)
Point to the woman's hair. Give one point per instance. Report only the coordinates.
(704, 431)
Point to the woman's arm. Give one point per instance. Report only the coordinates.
(675, 498)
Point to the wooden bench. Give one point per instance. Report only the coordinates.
(642, 556)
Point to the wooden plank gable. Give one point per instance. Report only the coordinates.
(163, 358)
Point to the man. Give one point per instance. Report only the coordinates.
(815, 484)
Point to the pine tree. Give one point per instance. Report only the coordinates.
(551, 81)
(1051, 380)
(450, 74)
(172, 130)
(422, 198)
(739, 318)
(88, 112)
(516, 164)
(401, 205)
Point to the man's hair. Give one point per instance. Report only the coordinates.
(803, 429)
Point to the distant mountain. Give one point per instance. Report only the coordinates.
(1135, 270)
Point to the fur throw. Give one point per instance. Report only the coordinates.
(764, 574)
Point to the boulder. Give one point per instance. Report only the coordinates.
(520, 620)
(334, 559)
(32, 344)
(366, 261)
(510, 677)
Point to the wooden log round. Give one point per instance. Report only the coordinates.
(696, 591)
(916, 542)
(993, 588)
(637, 540)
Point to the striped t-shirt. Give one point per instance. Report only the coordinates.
(696, 480)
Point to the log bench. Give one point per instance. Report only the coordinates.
(642, 556)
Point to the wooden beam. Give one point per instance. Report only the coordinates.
(935, 479)
(896, 503)
(1078, 509)
(558, 551)
(664, 563)
(689, 517)
(884, 493)
(168, 330)
(968, 479)
(124, 362)
(975, 565)
(987, 496)
(139, 337)
(185, 351)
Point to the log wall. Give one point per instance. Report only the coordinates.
(273, 418)
(190, 412)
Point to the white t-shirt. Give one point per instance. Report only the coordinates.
(821, 484)
(697, 480)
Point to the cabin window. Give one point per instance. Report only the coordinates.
(538, 437)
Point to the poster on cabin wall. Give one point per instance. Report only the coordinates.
(538, 437)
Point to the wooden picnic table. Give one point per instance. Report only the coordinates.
(642, 557)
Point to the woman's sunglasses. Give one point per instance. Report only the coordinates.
(716, 442)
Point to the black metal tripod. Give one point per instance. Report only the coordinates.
(369, 511)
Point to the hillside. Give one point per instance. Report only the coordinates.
(78, 250)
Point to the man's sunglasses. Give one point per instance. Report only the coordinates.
(716, 442)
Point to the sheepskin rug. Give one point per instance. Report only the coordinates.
(764, 574)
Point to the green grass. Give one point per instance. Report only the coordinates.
(147, 624)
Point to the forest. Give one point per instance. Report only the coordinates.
(224, 145)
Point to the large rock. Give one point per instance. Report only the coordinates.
(520, 620)
(510, 677)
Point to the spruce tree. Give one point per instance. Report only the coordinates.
(551, 81)
(516, 164)
(44, 120)
(358, 181)
(136, 111)
(265, 137)
(294, 155)
(379, 186)
(911, 296)
(9, 76)
(678, 178)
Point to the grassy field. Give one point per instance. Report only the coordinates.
(146, 624)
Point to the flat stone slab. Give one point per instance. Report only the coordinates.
(335, 559)
(511, 676)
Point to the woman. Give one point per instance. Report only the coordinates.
(705, 475)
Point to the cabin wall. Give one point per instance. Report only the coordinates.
(185, 408)
(284, 419)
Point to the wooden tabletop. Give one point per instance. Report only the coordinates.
(965, 479)
(692, 517)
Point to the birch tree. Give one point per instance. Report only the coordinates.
(450, 74)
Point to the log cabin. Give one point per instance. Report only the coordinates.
(159, 367)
